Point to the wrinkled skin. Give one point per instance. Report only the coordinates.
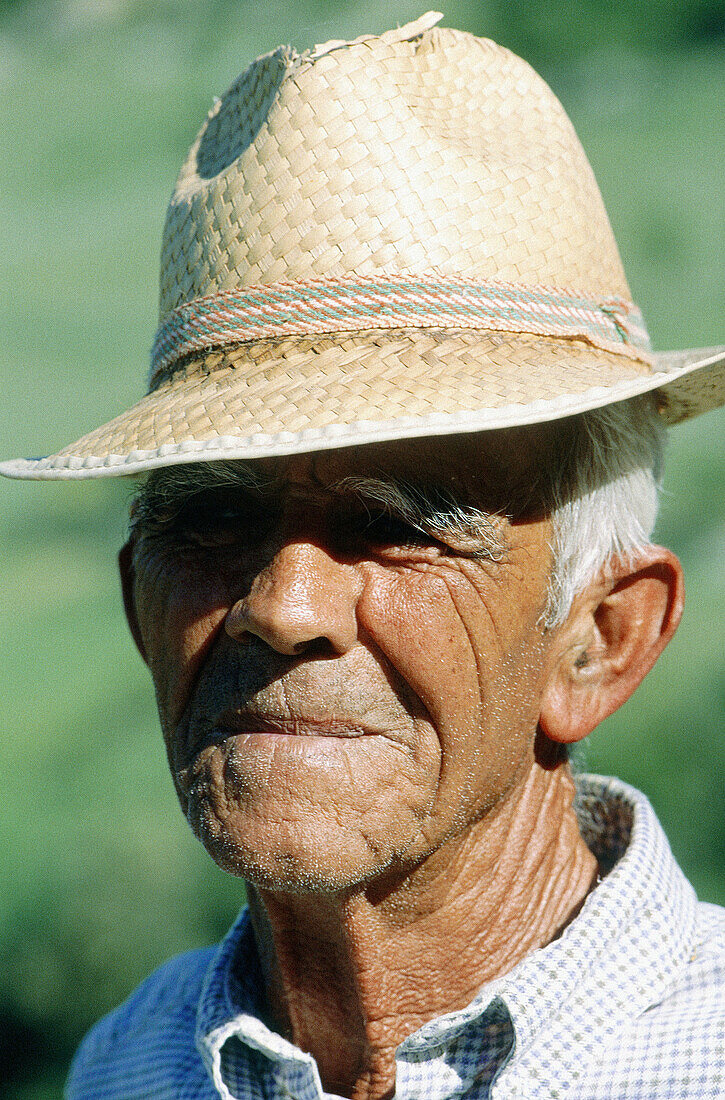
(363, 723)
(333, 709)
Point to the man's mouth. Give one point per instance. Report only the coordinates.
(233, 721)
(238, 731)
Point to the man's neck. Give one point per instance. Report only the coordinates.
(349, 977)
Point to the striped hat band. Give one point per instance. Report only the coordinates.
(322, 306)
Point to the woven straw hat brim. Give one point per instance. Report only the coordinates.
(296, 395)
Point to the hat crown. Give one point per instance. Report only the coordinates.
(442, 153)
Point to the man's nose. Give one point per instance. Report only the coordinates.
(303, 598)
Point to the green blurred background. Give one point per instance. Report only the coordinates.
(100, 878)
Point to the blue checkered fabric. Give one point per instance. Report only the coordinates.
(628, 1004)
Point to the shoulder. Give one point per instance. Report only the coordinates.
(696, 1005)
(697, 1000)
(145, 1047)
(677, 1046)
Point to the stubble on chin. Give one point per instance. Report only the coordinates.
(316, 814)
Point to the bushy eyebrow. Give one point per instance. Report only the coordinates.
(433, 511)
(430, 509)
(163, 493)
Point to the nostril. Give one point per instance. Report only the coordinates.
(315, 647)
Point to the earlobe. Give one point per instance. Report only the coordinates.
(614, 633)
(128, 577)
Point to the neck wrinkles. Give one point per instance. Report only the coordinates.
(348, 978)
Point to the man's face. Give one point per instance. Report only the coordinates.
(341, 694)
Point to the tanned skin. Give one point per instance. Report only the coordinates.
(366, 724)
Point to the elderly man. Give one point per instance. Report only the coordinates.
(390, 557)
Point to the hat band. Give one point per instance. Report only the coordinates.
(354, 304)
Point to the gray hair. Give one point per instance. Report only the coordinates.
(604, 495)
(598, 479)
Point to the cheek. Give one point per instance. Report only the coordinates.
(414, 621)
(467, 662)
(180, 612)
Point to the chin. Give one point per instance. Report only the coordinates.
(298, 856)
(301, 815)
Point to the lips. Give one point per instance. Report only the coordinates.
(234, 721)
(257, 692)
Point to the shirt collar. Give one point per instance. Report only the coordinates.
(544, 1021)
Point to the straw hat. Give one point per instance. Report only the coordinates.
(395, 236)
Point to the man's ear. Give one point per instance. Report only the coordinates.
(128, 579)
(614, 633)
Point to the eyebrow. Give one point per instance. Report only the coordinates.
(432, 510)
(428, 507)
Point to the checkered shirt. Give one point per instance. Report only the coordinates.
(628, 1003)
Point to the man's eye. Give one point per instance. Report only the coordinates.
(221, 522)
(390, 531)
(383, 533)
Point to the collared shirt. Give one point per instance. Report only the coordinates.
(627, 1004)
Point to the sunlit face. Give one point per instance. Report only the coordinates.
(342, 695)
